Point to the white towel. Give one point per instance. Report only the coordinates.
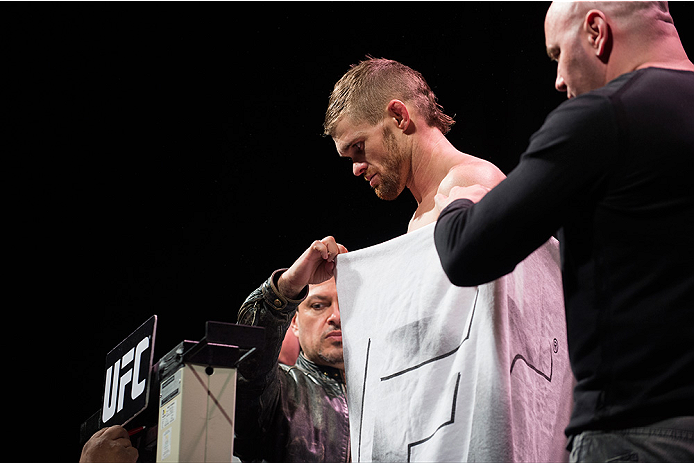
(441, 373)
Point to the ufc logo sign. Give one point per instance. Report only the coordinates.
(115, 388)
(126, 385)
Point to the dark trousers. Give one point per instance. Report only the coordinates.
(671, 440)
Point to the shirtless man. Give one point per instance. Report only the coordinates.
(384, 117)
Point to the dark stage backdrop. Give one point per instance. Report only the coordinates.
(172, 152)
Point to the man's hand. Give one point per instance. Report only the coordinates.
(315, 265)
(474, 193)
(109, 445)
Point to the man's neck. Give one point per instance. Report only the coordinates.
(437, 166)
(336, 372)
(433, 156)
(666, 53)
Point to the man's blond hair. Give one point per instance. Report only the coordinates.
(364, 91)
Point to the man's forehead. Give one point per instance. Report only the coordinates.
(328, 287)
(560, 13)
(554, 22)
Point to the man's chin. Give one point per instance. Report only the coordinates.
(387, 194)
(332, 358)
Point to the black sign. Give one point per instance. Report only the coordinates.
(127, 381)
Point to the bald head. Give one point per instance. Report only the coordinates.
(633, 16)
(595, 42)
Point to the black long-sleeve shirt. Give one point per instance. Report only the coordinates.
(613, 172)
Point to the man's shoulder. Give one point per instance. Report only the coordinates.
(472, 171)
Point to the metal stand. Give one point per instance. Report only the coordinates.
(197, 396)
(197, 423)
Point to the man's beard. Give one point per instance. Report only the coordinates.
(331, 358)
(392, 183)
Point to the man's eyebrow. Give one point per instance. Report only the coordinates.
(317, 297)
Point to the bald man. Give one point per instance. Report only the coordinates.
(611, 169)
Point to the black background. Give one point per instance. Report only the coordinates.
(169, 157)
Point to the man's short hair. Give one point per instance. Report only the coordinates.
(365, 90)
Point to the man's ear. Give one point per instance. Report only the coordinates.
(398, 112)
(599, 34)
(294, 326)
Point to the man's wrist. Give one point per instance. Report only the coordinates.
(287, 289)
(276, 299)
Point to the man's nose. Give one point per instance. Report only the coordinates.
(559, 84)
(334, 318)
(359, 168)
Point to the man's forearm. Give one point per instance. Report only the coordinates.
(258, 385)
(269, 308)
(467, 250)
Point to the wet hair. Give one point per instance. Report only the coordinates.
(364, 91)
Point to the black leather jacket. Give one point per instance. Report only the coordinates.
(286, 413)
